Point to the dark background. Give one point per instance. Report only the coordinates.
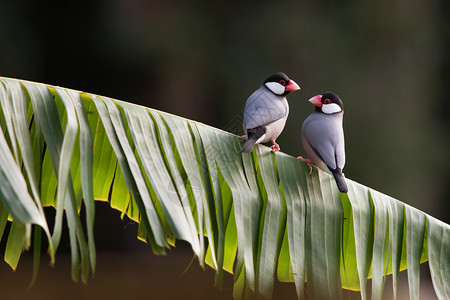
(387, 60)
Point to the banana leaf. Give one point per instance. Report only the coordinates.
(264, 216)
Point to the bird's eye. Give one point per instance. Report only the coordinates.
(326, 101)
(282, 82)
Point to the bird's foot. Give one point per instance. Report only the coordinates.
(244, 136)
(308, 161)
(275, 147)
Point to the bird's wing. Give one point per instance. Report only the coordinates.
(263, 108)
(326, 136)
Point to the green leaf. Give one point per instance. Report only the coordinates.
(271, 223)
(415, 233)
(114, 126)
(179, 132)
(37, 255)
(363, 220)
(16, 242)
(13, 186)
(65, 191)
(323, 223)
(291, 177)
(218, 213)
(86, 164)
(396, 223)
(147, 146)
(438, 235)
(245, 198)
(180, 179)
(380, 244)
(3, 219)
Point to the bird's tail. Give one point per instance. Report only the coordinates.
(248, 146)
(340, 180)
(253, 136)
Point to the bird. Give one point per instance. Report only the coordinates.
(266, 111)
(323, 137)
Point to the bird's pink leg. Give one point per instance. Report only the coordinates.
(244, 136)
(308, 161)
(275, 147)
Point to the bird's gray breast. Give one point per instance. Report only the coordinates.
(325, 134)
(263, 107)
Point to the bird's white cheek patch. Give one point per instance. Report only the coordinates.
(331, 108)
(275, 87)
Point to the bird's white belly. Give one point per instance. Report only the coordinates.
(273, 131)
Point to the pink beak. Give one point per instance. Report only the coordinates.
(292, 86)
(316, 100)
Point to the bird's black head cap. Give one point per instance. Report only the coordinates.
(283, 81)
(329, 97)
(279, 77)
(333, 98)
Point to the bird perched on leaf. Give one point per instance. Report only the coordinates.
(323, 137)
(266, 111)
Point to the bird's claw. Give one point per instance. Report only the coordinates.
(308, 161)
(275, 147)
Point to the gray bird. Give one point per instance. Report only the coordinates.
(266, 111)
(323, 137)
